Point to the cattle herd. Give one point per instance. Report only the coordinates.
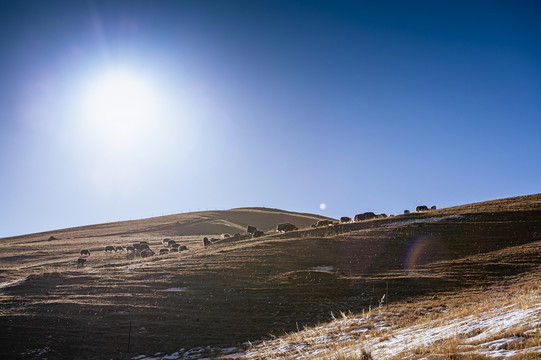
(142, 249)
(139, 249)
(367, 216)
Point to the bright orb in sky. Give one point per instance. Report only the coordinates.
(120, 107)
(322, 206)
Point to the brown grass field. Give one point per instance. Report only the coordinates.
(236, 291)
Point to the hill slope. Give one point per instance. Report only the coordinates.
(243, 290)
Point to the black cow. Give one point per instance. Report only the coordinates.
(164, 251)
(206, 241)
(324, 223)
(285, 227)
(345, 219)
(119, 248)
(182, 248)
(130, 248)
(148, 253)
(251, 229)
(81, 262)
(109, 248)
(365, 216)
(421, 208)
(85, 252)
(258, 233)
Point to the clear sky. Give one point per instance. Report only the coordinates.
(118, 110)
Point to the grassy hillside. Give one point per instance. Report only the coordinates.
(244, 290)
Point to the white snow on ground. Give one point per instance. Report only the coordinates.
(323, 268)
(36, 353)
(486, 326)
(12, 283)
(420, 221)
(484, 333)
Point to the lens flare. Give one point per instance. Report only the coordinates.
(421, 249)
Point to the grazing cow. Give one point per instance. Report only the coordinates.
(85, 252)
(173, 250)
(182, 248)
(365, 216)
(433, 207)
(145, 247)
(164, 251)
(148, 253)
(421, 208)
(285, 227)
(345, 219)
(137, 246)
(175, 246)
(109, 248)
(165, 241)
(51, 238)
(406, 211)
(324, 223)
(206, 241)
(171, 242)
(130, 248)
(251, 229)
(225, 236)
(130, 255)
(258, 233)
(81, 262)
(119, 248)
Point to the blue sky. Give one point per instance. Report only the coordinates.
(363, 106)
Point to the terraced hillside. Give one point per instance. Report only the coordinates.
(244, 290)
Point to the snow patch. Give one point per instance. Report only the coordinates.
(421, 221)
(12, 283)
(323, 268)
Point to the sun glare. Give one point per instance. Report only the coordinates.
(120, 108)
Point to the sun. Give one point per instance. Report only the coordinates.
(119, 108)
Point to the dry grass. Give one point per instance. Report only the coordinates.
(244, 290)
(341, 338)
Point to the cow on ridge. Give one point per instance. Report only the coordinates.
(365, 216)
(285, 227)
